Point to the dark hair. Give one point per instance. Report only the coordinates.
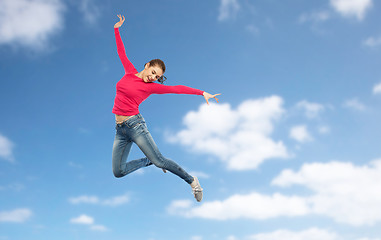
(159, 63)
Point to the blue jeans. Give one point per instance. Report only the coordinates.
(134, 130)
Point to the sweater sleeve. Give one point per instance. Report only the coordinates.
(128, 67)
(179, 89)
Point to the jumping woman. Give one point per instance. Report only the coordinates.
(131, 91)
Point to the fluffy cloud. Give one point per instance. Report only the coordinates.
(82, 219)
(377, 88)
(339, 190)
(30, 23)
(196, 238)
(355, 104)
(241, 206)
(6, 147)
(228, 9)
(114, 201)
(369, 239)
(345, 192)
(300, 134)
(231, 238)
(99, 228)
(87, 220)
(351, 8)
(311, 110)
(17, 216)
(84, 199)
(372, 42)
(309, 234)
(89, 11)
(238, 137)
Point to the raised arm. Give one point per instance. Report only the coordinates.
(128, 67)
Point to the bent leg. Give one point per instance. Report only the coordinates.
(121, 149)
(148, 146)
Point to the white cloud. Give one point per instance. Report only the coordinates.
(87, 220)
(238, 137)
(241, 206)
(311, 110)
(231, 237)
(369, 238)
(84, 199)
(351, 8)
(309, 234)
(114, 201)
(339, 190)
(377, 88)
(6, 147)
(83, 219)
(355, 104)
(89, 10)
(300, 134)
(196, 238)
(100, 228)
(17, 216)
(30, 23)
(372, 42)
(228, 9)
(345, 192)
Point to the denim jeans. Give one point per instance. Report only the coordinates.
(134, 130)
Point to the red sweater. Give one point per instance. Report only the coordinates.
(131, 90)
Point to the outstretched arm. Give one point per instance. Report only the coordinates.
(180, 89)
(128, 67)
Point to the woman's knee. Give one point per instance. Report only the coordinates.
(118, 173)
(159, 162)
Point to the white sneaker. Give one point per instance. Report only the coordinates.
(196, 189)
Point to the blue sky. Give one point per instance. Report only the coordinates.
(292, 151)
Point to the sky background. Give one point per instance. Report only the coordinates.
(292, 150)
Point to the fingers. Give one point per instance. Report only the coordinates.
(206, 99)
(121, 17)
(208, 96)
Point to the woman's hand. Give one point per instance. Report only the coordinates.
(121, 21)
(207, 96)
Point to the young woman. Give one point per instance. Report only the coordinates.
(131, 91)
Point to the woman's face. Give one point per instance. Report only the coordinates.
(151, 73)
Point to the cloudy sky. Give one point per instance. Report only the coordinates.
(292, 150)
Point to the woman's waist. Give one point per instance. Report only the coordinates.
(121, 118)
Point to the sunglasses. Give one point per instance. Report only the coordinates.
(162, 79)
